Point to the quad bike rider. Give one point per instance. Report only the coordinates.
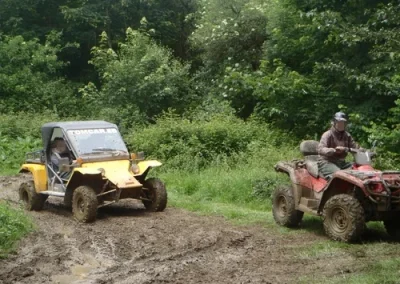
(346, 198)
(87, 163)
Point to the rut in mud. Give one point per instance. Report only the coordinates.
(128, 245)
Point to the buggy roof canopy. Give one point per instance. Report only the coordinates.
(47, 129)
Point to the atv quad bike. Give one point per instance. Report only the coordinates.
(346, 201)
(101, 172)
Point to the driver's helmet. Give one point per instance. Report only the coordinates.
(340, 116)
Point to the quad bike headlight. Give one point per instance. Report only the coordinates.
(135, 168)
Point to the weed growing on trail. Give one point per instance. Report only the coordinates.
(14, 224)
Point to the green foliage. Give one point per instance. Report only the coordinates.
(140, 75)
(230, 32)
(348, 52)
(29, 77)
(193, 144)
(248, 182)
(13, 226)
(281, 96)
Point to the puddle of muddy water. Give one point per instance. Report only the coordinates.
(78, 272)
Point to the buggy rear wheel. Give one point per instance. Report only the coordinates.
(29, 197)
(84, 204)
(155, 195)
(283, 207)
(343, 218)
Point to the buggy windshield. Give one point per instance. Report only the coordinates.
(97, 141)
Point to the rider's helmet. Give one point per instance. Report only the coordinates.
(340, 116)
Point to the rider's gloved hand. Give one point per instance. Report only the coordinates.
(340, 149)
(330, 151)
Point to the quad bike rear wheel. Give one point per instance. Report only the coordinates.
(84, 204)
(283, 208)
(343, 218)
(393, 228)
(155, 195)
(30, 198)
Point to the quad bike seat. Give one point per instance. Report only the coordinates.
(309, 150)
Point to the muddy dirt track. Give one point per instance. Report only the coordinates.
(128, 245)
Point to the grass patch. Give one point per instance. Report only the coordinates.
(14, 224)
(241, 193)
(239, 214)
(323, 249)
(372, 272)
(371, 262)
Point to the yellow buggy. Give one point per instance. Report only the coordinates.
(93, 169)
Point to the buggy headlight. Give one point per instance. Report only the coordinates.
(135, 168)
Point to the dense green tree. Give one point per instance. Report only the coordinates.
(30, 76)
(140, 74)
(230, 32)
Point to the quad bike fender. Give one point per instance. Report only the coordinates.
(145, 166)
(39, 175)
(341, 182)
(288, 168)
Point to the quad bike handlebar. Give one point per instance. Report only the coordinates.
(355, 150)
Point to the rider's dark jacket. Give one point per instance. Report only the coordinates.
(330, 140)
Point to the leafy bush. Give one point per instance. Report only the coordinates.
(191, 145)
(29, 76)
(140, 75)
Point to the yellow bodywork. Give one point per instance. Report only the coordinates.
(39, 175)
(144, 165)
(118, 172)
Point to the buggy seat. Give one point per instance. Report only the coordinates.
(309, 150)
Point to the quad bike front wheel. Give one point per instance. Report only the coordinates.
(154, 195)
(84, 204)
(30, 198)
(283, 207)
(343, 218)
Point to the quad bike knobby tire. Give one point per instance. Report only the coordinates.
(84, 204)
(30, 198)
(283, 207)
(154, 190)
(343, 218)
(393, 228)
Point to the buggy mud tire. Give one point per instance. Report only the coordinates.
(393, 228)
(343, 218)
(156, 194)
(68, 199)
(30, 198)
(283, 207)
(84, 204)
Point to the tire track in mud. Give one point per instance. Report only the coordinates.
(129, 245)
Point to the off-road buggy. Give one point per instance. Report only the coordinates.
(346, 200)
(100, 171)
